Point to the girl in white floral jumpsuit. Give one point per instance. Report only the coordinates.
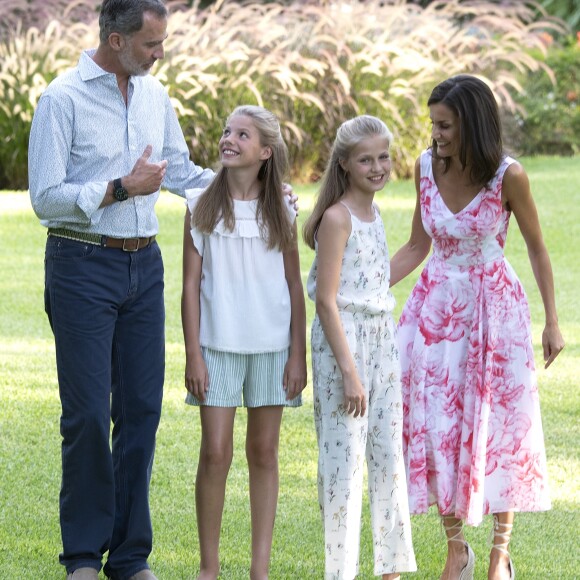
(357, 391)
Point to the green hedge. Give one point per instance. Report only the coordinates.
(551, 123)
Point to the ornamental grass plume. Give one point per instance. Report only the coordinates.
(313, 64)
(316, 64)
(29, 60)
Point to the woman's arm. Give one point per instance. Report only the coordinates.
(333, 233)
(196, 376)
(410, 255)
(517, 195)
(295, 374)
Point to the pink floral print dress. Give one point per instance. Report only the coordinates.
(472, 432)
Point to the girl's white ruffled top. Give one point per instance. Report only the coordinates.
(244, 297)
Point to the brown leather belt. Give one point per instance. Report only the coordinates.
(125, 244)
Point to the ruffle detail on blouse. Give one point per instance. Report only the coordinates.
(243, 228)
(245, 225)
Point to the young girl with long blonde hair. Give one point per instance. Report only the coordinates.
(357, 389)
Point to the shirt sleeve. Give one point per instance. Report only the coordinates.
(192, 197)
(52, 197)
(182, 173)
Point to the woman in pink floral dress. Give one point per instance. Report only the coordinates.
(472, 433)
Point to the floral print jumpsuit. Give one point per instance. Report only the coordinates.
(365, 305)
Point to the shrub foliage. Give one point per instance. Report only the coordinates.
(313, 64)
(551, 123)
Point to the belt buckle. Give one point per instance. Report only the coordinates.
(126, 249)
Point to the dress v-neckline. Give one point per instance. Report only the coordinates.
(456, 213)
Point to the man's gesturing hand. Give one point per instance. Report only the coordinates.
(145, 177)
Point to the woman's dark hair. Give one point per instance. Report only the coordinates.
(481, 144)
(126, 16)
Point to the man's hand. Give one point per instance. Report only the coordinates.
(145, 177)
(287, 189)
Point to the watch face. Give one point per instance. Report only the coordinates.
(120, 193)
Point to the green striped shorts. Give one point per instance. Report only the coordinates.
(252, 379)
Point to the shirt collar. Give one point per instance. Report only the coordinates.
(88, 68)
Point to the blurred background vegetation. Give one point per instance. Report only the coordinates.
(316, 63)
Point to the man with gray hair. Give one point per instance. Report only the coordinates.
(104, 139)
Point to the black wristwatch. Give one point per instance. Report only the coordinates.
(119, 192)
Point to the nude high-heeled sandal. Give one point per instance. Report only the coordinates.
(505, 540)
(469, 568)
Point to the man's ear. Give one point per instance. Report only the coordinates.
(116, 41)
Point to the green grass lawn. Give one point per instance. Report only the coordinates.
(544, 545)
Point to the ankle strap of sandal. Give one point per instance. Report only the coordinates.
(504, 535)
(458, 525)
